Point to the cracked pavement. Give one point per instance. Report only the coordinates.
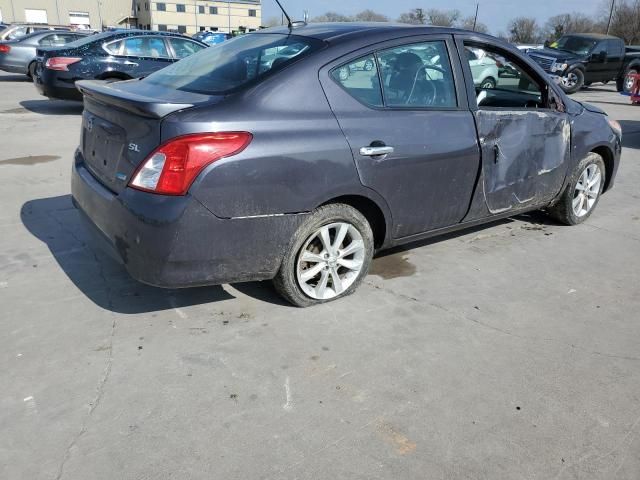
(506, 351)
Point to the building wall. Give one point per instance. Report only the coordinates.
(101, 12)
(230, 16)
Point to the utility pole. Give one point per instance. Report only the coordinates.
(613, 4)
(58, 12)
(13, 12)
(229, 15)
(100, 16)
(475, 19)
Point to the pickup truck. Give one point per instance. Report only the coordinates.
(578, 60)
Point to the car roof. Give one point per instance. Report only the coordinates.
(599, 36)
(343, 31)
(47, 32)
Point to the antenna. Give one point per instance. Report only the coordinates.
(289, 24)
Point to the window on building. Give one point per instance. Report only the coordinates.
(213, 10)
(161, 7)
(182, 29)
(252, 13)
(146, 6)
(202, 29)
(138, 7)
(200, 8)
(180, 7)
(162, 28)
(80, 19)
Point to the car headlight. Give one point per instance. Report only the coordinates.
(558, 67)
(615, 126)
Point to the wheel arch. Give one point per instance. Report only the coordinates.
(608, 157)
(372, 211)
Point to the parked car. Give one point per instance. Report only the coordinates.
(18, 30)
(19, 56)
(484, 68)
(118, 55)
(207, 172)
(579, 60)
(211, 38)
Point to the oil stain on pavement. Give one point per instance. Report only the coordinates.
(30, 160)
(392, 266)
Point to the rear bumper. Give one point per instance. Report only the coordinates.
(49, 85)
(175, 242)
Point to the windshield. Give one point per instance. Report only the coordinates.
(577, 45)
(230, 65)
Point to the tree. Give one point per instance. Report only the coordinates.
(467, 24)
(414, 17)
(370, 16)
(442, 18)
(524, 30)
(625, 21)
(331, 17)
(570, 23)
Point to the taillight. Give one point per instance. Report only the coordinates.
(5, 48)
(61, 63)
(174, 165)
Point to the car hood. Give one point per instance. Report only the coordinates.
(559, 55)
(592, 108)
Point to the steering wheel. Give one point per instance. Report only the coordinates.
(430, 97)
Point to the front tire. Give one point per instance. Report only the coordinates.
(328, 257)
(572, 81)
(582, 194)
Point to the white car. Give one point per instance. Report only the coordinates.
(483, 68)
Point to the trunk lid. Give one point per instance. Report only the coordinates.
(121, 125)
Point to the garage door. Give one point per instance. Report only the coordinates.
(79, 19)
(35, 16)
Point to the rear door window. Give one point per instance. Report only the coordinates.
(152, 47)
(417, 75)
(114, 48)
(183, 48)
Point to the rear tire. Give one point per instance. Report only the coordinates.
(314, 281)
(580, 198)
(622, 85)
(31, 70)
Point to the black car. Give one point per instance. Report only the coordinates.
(211, 171)
(119, 55)
(577, 60)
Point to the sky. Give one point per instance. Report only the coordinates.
(494, 13)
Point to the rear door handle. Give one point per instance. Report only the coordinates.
(375, 151)
(127, 62)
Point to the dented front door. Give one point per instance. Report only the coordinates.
(525, 156)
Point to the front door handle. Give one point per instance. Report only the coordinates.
(127, 62)
(375, 151)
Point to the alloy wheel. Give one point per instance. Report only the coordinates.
(570, 80)
(330, 261)
(587, 190)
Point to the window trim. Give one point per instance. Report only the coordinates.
(457, 73)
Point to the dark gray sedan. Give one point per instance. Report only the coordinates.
(227, 168)
(19, 55)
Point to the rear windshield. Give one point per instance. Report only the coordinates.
(230, 65)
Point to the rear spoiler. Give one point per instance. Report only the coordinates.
(106, 93)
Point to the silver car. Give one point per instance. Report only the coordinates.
(19, 56)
